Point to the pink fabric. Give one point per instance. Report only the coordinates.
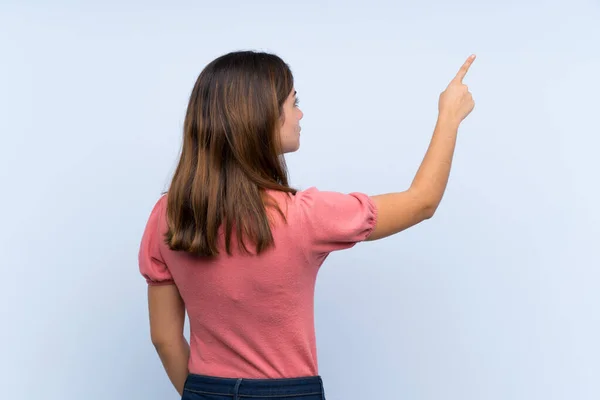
(253, 316)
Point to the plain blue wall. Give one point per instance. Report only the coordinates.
(496, 297)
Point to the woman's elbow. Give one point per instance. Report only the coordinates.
(163, 341)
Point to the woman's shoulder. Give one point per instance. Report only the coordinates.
(333, 220)
(319, 207)
(312, 196)
(156, 217)
(159, 207)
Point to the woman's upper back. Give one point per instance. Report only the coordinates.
(252, 315)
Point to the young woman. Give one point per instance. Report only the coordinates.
(238, 249)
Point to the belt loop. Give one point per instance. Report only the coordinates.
(322, 388)
(236, 389)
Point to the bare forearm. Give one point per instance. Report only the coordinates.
(174, 357)
(432, 177)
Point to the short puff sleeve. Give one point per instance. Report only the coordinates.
(151, 263)
(335, 221)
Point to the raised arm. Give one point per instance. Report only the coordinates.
(401, 210)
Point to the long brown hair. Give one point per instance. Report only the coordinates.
(231, 153)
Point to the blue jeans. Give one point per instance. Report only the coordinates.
(200, 387)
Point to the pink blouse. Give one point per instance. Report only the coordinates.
(253, 316)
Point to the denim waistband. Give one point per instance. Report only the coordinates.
(240, 387)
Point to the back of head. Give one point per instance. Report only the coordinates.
(231, 153)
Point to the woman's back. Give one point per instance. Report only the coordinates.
(250, 315)
(238, 249)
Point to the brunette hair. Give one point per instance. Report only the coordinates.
(231, 154)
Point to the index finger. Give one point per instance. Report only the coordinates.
(464, 69)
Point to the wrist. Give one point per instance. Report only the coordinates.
(447, 120)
